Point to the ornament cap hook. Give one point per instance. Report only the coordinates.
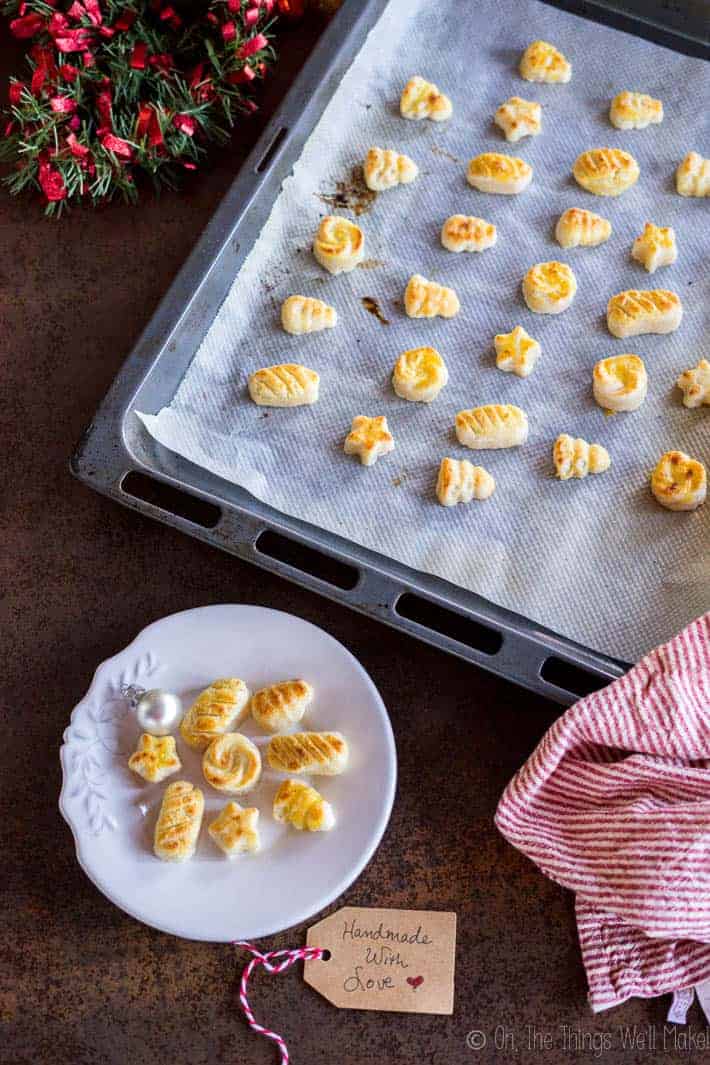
(133, 693)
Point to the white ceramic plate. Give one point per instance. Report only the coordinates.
(112, 812)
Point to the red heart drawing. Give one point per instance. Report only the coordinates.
(415, 982)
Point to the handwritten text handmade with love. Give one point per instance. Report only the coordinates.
(385, 959)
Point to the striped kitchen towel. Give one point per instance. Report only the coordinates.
(614, 804)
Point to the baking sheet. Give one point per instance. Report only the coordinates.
(597, 561)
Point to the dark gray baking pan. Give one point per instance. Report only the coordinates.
(116, 457)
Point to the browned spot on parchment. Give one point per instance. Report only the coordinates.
(373, 307)
(447, 155)
(352, 195)
(370, 264)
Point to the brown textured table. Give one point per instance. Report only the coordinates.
(82, 984)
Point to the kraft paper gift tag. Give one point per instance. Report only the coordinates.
(400, 960)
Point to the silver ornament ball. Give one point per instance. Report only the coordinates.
(158, 712)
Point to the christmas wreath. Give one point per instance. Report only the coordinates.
(116, 89)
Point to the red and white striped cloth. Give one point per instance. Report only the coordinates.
(615, 804)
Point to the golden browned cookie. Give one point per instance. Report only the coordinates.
(232, 763)
(419, 375)
(541, 61)
(155, 758)
(549, 288)
(384, 169)
(300, 805)
(339, 244)
(695, 385)
(179, 820)
(516, 352)
(493, 425)
(606, 171)
(655, 247)
(459, 481)
(285, 385)
(577, 458)
(634, 110)
(426, 299)
(637, 311)
(368, 439)
(679, 482)
(224, 704)
(463, 232)
(692, 178)
(320, 753)
(235, 829)
(422, 99)
(620, 382)
(519, 118)
(303, 314)
(579, 227)
(499, 174)
(280, 705)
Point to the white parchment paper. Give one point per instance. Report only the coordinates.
(596, 560)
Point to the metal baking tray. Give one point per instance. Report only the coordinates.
(116, 457)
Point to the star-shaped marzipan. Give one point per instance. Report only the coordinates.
(235, 829)
(695, 385)
(155, 758)
(369, 438)
(516, 352)
(655, 247)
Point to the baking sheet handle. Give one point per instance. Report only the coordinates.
(518, 651)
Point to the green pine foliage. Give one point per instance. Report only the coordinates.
(162, 115)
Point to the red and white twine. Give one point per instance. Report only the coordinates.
(268, 961)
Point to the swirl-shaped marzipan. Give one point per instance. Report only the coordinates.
(232, 763)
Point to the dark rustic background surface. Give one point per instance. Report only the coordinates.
(82, 984)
